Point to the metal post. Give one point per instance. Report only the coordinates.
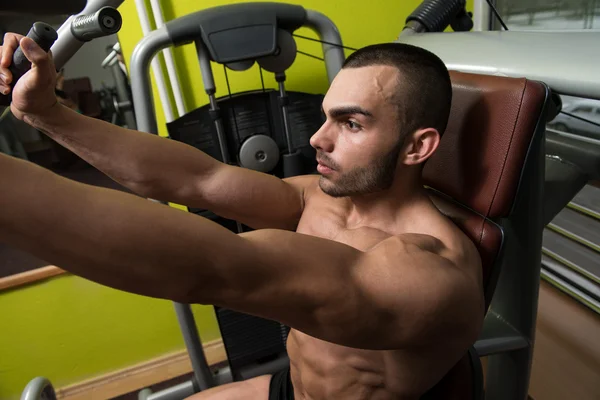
(141, 88)
(328, 32)
(123, 94)
(194, 346)
(144, 111)
(280, 78)
(208, 81)
(169, 62)
(481, 16)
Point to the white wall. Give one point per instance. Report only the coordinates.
(87, 62)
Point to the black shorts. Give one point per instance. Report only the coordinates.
(281, 387)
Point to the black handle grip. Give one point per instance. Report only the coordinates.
(104, 22)
(436, 15)
(45, 36)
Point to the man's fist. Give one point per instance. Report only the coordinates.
(34, 92)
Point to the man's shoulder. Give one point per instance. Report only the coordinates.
(305, 183)
(302, 179)
(447, 248)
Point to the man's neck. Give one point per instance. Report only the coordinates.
(386, 205)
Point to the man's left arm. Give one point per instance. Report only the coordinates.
(399, 294)
(392, 296)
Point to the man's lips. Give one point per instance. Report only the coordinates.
(323, 168)
(321, 163)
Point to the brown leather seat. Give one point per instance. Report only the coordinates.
(474, 177)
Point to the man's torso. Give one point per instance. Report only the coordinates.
(323, 370)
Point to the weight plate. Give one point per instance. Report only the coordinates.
(260, 153)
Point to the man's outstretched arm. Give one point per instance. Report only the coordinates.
(392, 296)
(148, 165)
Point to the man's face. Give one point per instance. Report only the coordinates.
(359, 143)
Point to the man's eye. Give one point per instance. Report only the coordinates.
(353, 126)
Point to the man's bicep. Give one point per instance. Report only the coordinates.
(256, 199)
(420, 296)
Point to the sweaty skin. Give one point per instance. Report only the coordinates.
(383, 294)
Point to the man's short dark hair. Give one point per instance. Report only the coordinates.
(424, 92)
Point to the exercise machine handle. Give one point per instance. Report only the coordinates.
(436, 15)
(45, 36)
(104, 22)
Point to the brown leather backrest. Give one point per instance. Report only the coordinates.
(475, 171)
(473, 179)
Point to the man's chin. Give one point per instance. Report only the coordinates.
(329, 188)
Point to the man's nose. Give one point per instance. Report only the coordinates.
(322, 139)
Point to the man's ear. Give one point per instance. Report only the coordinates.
(420, 146)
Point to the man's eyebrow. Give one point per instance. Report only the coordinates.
(347, 110)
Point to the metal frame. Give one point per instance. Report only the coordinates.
(159, 39)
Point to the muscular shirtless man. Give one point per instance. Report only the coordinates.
(382, 292)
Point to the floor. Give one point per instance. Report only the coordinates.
(156, 388)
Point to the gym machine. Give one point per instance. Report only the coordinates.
(237, 36)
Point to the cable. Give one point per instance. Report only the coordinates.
(309, 55)
(497, 14)
(262, 79)
(238, 224)
(323, 41)
(227, 81)
(266, 102)
(237, 132)
(580, 118)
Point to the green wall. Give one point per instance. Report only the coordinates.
(69, 329)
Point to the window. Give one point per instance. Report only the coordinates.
(579, 117)
(571, 242)
(549, 14)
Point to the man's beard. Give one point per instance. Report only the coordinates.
(376, 177)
